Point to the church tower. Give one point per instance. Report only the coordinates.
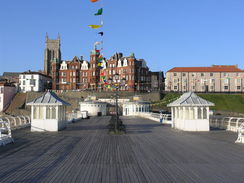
(52, 54)
(94, 70)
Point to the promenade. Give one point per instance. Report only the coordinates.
(148, 152)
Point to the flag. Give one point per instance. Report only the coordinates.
(99, 12)
(97, 43)
(100, 59)
(95, 26)
(101, 33)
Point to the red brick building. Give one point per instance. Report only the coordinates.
(79, 74)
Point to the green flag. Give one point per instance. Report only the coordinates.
(99, 12)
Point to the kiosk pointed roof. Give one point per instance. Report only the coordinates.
(190, 99)
(48, 98)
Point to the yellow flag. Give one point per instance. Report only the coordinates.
(95, 26)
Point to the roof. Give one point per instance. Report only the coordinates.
(39, 73)
(92, 102)
(11, 74)
(190, 99)
(48, 98)
(214, 68)
(5, 83)
(137, 102)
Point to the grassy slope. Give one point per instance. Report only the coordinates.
(226, 102)
(223, 102)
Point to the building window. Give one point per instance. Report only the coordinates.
(175, 74)
(193, 75)
(184, 74)
(199, 113)
(238, 80)
(51, 113)
(202, 74)
(238, 87)
(204, 113)
(211, 74)
(226, 81)
(175, 87)
(225, 74)
(226, 87)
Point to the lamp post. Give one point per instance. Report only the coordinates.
(116, 81)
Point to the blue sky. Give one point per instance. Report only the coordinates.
(166, 33)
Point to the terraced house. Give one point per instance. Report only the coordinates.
(216, 78)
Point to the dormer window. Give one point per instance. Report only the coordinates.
(125, 63)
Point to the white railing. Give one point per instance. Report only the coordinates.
(16, 122)
(240, 138)
(226, 123)
(165, 118)
(5, 133)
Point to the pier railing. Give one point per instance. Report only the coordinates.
(166, 118)
(226, 123)
(16, 122)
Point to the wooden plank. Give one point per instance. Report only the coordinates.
(149, 152)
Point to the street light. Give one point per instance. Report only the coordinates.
(115, 79)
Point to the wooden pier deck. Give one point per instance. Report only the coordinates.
(149, 152)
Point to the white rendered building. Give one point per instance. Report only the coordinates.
(48, 113)
(94, 108)
(34, 81)
(190, 113)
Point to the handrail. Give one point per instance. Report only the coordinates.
(5, 132)
(16, 122)
(226, 123)
(240, 138)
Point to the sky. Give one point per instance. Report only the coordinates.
(166, 33)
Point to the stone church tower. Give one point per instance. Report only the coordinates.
(52, 54)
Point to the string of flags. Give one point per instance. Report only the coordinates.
(101, 60)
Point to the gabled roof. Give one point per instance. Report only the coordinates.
(11, 74)
(35, 73)
(214, 68)
(190, 99)
(48, 98)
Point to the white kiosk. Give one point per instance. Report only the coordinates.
(136, 107)
(48, 113)
(190, 113)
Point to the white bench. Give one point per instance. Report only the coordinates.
(5, 133)
(240, 138)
